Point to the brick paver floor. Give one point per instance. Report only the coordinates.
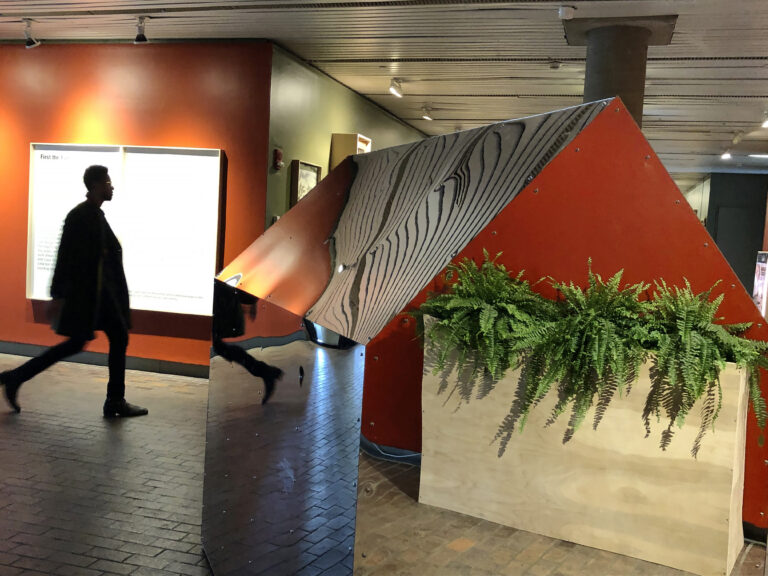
(397, 536)
(280, 490)
(85, 496)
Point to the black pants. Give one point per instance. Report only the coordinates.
(114, 327)
(235, 353)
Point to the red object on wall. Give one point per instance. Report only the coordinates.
(606, 196)
(202, 95)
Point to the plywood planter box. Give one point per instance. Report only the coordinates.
(611, 489)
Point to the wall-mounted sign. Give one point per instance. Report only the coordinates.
(760, 291)
(165, 212)
(304, 177)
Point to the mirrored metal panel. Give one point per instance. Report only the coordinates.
(280, 476)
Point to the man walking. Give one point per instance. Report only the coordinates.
(89, 293)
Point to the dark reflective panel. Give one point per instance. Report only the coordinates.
(280, 478)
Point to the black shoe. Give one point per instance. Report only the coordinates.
(269, 382)
(11, 389)
(114, 408)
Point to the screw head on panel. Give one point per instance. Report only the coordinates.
(493, 233)
(677, 201)
(578, 149)
(536, 191)
(706, 244)
(647, 156)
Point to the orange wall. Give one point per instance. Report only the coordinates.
(201, 95)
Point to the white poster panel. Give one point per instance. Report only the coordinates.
(165, 212)
(170, 202)
(55, 187)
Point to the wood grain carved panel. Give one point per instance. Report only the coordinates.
(412, 208)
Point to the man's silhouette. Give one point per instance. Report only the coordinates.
(89, 293)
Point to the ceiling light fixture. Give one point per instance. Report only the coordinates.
(31, 41)
(395, 88)
(566, 12)
(765, 123)
(725, 155)
(758, 155)
(141, 38)
(426, 113)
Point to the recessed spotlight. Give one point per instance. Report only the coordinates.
(141, 38)
(566, 12)
(725, 156)
(395, 88)
(426, 113)
(31, 41)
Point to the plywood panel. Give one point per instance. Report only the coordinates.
(611, 488)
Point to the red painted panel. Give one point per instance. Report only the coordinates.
(199, 95)
(290, 264)
(608, 197)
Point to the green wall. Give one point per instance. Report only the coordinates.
(306, 107)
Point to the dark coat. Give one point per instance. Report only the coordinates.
(89, 274)
(228, 317)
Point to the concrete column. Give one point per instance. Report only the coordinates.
(616, 57)
(617, 50)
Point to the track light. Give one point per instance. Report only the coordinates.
(395, 88)
(31, 41)
(426, 113)
(141, 38)
(725, 155)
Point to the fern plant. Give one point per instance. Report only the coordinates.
(589, 344)
(690, 350)
(484, 317)
(593, 347)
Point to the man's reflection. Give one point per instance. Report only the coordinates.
(229, 322)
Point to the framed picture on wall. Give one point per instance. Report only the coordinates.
(304, 177)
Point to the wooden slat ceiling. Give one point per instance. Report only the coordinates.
(478, 62)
